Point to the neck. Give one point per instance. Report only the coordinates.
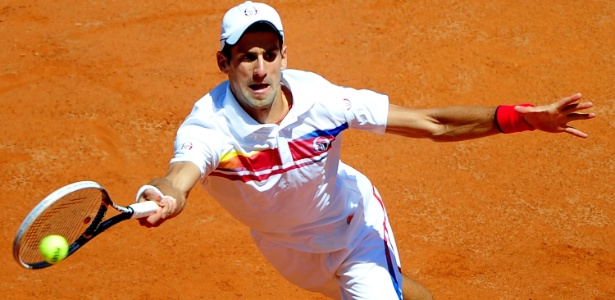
(280, 108)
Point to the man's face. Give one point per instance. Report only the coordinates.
(255, 70)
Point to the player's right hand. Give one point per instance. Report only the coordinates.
(167, 210)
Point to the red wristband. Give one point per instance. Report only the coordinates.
(508, 120)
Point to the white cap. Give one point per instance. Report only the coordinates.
(240, 17)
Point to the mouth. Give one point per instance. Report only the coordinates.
(259, 87)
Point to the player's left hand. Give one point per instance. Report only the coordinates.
(554, 117)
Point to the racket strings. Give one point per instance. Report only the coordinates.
(70, 216)
(97, 219)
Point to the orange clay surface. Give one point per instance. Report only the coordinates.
(95, 90)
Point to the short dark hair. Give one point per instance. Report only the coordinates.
(256, 27)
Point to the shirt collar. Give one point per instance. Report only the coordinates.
(244, 125)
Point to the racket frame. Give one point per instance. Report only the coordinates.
(97, 225)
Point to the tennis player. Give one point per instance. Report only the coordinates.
(266, 145)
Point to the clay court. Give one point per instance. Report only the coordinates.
(95, 90)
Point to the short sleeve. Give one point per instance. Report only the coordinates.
(197, 145)
(365, 109)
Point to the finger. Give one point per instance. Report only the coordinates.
(581, 106)
(564, 102)
(580, 116)
(148, 222)
(143, 222)
(577, 107)
(575, 132)
(152, 220)
(168, 205)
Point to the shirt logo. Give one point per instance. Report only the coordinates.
(349, 219)
(347, 104)
(322, 144)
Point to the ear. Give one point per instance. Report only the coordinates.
(223, 63)
(284, 61)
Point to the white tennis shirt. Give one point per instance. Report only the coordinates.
(286, 182)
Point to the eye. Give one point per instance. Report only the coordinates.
(248, 57)
(271, 55)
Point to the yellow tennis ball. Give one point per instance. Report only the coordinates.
(54, 248)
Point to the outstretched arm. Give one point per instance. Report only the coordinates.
(457, 123)
(175, 186)
(444, 124)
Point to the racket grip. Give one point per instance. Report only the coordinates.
(143, 209)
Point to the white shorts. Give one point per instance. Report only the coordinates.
(371, 270)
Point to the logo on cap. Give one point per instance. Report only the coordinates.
(186, 146)
(250, 11)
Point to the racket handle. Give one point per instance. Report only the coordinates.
(143, 209)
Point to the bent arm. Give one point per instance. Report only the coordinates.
(443, 124)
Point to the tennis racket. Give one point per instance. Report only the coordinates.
(77, 212)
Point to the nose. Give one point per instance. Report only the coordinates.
(259, 69)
